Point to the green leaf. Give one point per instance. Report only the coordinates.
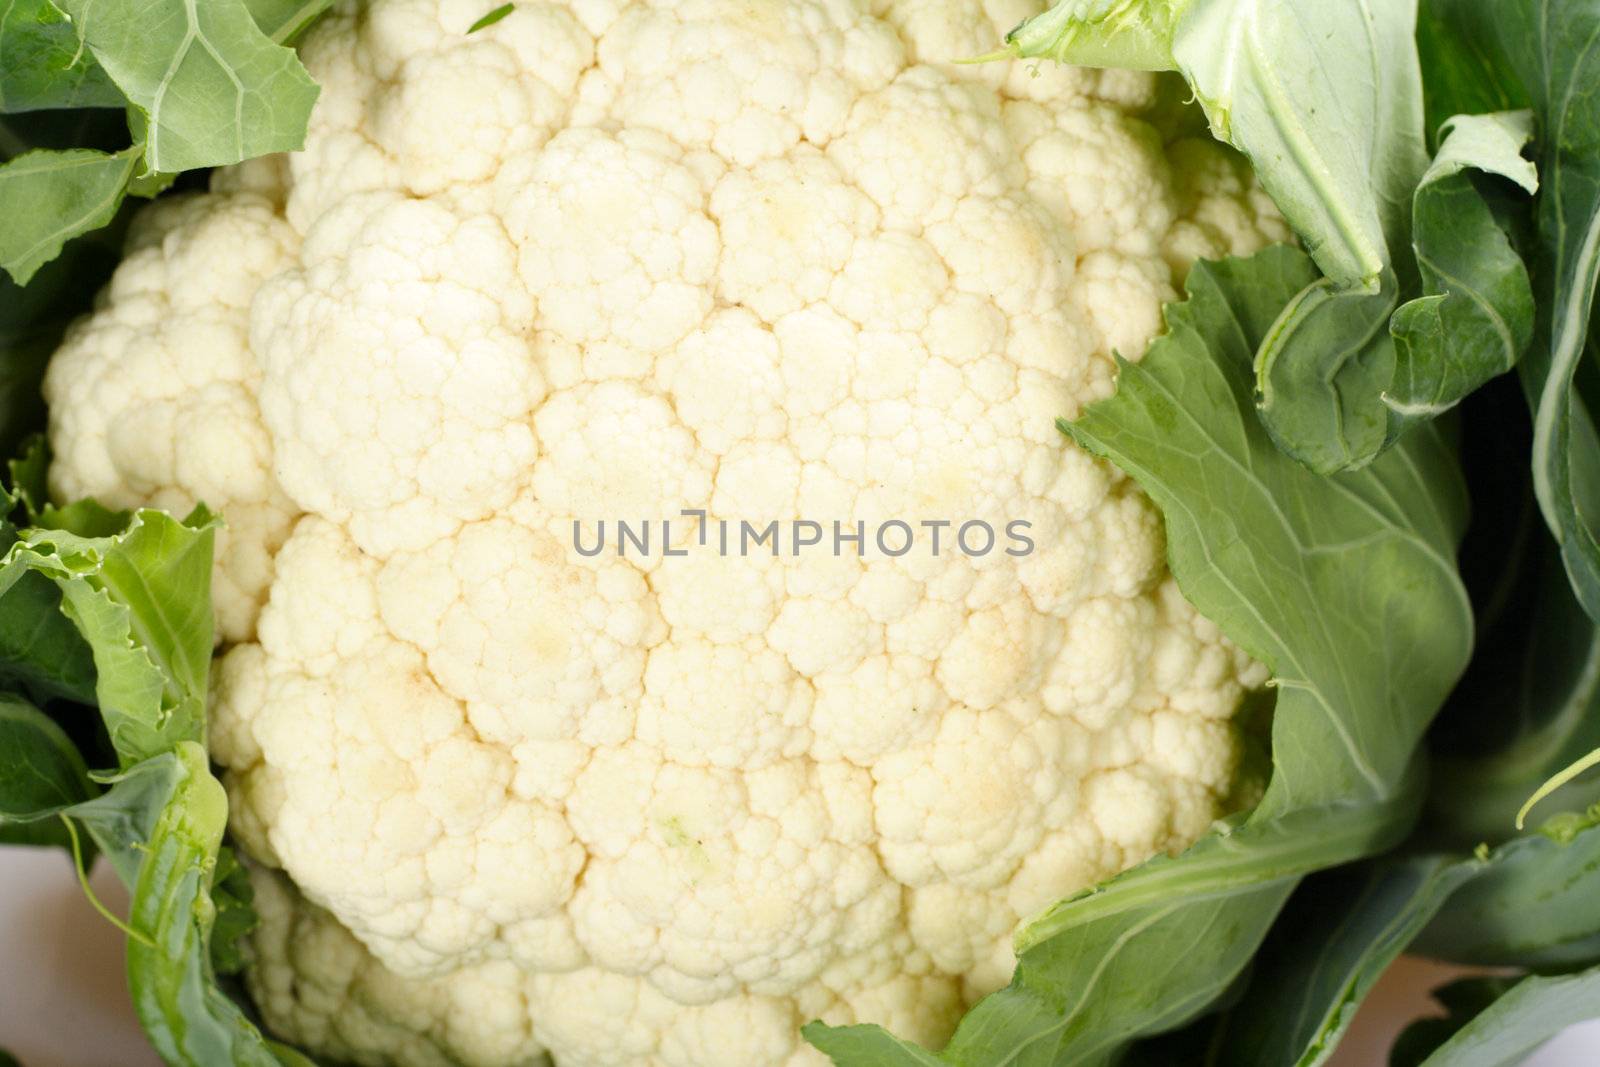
(1549, 55)
(1514, 1024)
(1078, 997)
(42, 774)
(1338, 935)
(1321, 373)
(141, 599)
(1476, 317)
(137, 587)
(41, 651)
(213, 88)
(1345, 587)
(1344, 374)
(49, 197)
(161, 826)
(492, 17)
(1537, 903)
(42, 64)
(40, 769)
(1462, 76)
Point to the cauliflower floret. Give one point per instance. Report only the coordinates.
(511, 788)
(437, 431)
(154, 400)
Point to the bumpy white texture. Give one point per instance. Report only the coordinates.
(610, 260)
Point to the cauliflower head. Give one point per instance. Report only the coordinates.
(609, 260)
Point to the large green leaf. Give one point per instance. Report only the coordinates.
(1476, 317)
(50, 197)
(161, 826)
(141, 599)
(42, 64)
(1461, 77)
(1346, 587)
(1536, 904)
(1322, 371)
(1080, 996)
(212, 87)
(41, 651)
(1546, 49)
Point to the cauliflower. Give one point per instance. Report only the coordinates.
(708, 261)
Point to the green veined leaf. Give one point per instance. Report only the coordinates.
(1461, 77)
(161, 826)
(138, 588)
(41, 651)
(1547, 51)
(1537, 904)
(42, 64)
(49, 197)
(1345, 587)
(1080, 996)
(212, 86)
(141, 599)
(1322, 371)
(1316, 577)
(1476, 317)
(1515, 1023)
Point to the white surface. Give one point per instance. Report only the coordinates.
(63, 1002)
